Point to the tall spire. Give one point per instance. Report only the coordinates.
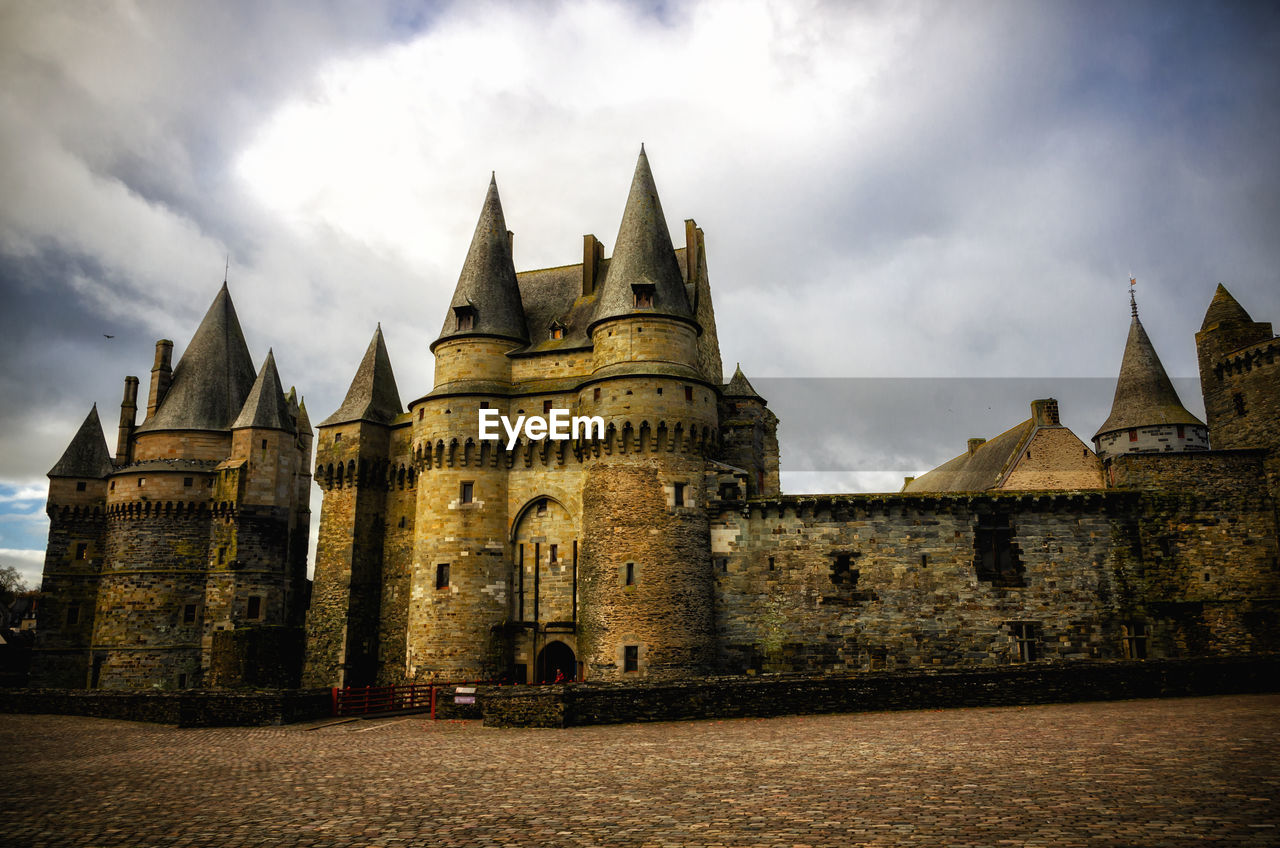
(373, 395)
(486, 301)
(213, 377)
(1144, 393)
(644, 275)
(266, 408)
(87, 454)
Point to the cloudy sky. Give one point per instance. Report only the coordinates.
(919, 216)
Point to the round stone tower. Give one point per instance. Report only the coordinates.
(646, 583)
(460, 579)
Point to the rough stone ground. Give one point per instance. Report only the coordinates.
(1167, 772)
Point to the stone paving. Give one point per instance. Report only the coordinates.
(1149, 773)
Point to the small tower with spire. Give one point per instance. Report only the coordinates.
(1146, 414)
(1239, 362)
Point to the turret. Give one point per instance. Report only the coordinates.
(351, 462)
(749, 436)
(1238, 376)
(1146, 413)
(486, 318)
(73, 559)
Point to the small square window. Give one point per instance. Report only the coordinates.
(189, 614)
(557, 332)
(546, 407)
(81, 485)
(466, 318)
(484, 404)
(643, 295)
(337, 437)
(465, 495)
(142, 481)
(631, 658)
(187, 482)
(1133, 435)
(442, 576)
(659, 389)
(255, 607)
(82, 550)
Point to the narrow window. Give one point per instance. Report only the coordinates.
(629, 574)
(187, 482)
(484, 404)
(1133, 435)
(659, 389)
(442, 576)
(557, 332)
(82, 550)
(631, 658)
(1238, 400)
(182, 681)
(1027, 636)
(255, 607)
(542, 507)
(112, 487)
(924, 560)
(264, 444)
(546, 407)
(688, 393)
(222, 556)
(422, 410)
(553, 555)
(771, 563)
(679, 494)
(466, 318)
(142, 481)
(643, 295)
(1182, 431)
(189, 614)
(337, 437)
(402, 522)
(80, 485)
(722, 565)
(73, 614)
(465, 495)
(595, 393)
(1134, 638)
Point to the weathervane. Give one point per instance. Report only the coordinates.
(1133, 301)
(226, 269)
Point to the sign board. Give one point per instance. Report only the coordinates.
(465, 690)
(464, 699)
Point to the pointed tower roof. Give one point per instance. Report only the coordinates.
(1224, 309)
(304, 421)
(87, 455)
(213, 377)
(487, 284)
(739, 386)
(643, 255)
(266, 408)
(373, 395)
(1144, 394)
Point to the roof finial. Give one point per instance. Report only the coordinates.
(226, 269)
(1133, 301)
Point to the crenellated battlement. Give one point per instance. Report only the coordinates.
(1256, 357)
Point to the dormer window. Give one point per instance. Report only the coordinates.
(644, 295)
(557, 330)
(466, 318)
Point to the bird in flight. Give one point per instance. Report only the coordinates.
(107, 336)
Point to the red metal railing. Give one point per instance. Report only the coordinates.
(367, 700)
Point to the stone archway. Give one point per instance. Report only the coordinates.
(556, 658)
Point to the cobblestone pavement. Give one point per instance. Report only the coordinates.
(1169, 772)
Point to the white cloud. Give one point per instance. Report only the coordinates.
(30, 564)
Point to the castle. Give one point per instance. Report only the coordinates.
(660, 548)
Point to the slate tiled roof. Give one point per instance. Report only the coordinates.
(981, 470)
(87, 455)
(373, 395)
(1144, 394)
(739, 386)
(1224, 309)
(487, 283)
(643, 254)
(266, 408)
(213, 377)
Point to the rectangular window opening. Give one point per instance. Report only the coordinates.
(631, 658)
(996, 558)
(81, 485)
(1027, 636)
(688, 393)
(82, 550)
(466, 492)
(679, 494)
(1133, 435)
(629, 574)
(553, 555)
(73, 614)
(187, 482)
(189, 614)
(595, 394)
(546, 407)
(255, 608)
(1134, 637)
(442, 576)
(643, 295)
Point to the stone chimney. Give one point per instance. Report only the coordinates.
(161, 374)
(592, 256)
(976, 443)
(128, 416)
(1045, 412)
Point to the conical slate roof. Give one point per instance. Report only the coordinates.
(487, 283)
(1144, 394)
(739, 386)
(213, 377)
(87, 455)
(266, 407)
(643, 255)
(373, 395)
(1224, 309)
(304, 420)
